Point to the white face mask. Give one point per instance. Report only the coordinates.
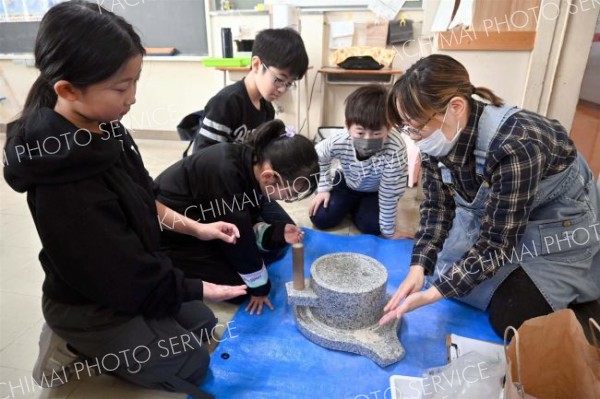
(437, 145)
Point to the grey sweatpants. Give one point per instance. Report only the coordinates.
(166, 353)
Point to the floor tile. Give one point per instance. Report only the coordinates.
(19, 384)
(23, 351)
(18, 313)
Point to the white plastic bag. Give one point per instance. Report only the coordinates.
(470, 376)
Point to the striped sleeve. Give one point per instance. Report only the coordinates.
(393, 182)
(222, 114)
(214, 130)
(325, 153)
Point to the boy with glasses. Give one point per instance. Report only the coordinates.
(278, 60)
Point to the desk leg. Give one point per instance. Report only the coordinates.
(323, 101)
(298, 97)
(307, 99)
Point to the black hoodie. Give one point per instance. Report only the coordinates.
(92, 202)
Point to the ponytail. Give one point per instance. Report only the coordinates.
(40, 95)
(488, 95)
(291, 155)
(262, 138)
(428, 86)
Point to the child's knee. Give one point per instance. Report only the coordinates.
(196, 366)
(367, 226)
(167, 372)
(274, 255)
(196, 316)
(322, 220)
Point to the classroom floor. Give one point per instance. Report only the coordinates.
(21, 278)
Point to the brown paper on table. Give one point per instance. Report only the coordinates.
(551, 359)
(377, 33)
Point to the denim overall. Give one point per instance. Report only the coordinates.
(560, 248)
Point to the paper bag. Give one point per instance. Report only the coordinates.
(550, 358)
(377, 34)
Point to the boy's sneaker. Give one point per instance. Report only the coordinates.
(53, 367)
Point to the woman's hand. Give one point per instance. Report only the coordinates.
(256, 304)
(293, 234)
(412, 283)
(217, 231)
(320, 198)
(217, 293)
(412, 302)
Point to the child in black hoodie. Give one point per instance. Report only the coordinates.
(110, 295)
(232, 183)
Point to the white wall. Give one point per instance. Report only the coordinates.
(167, 91)
(504, 72)
(571, 66)
(590, 87)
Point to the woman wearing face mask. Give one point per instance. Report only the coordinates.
(372, 172)
(510, 219)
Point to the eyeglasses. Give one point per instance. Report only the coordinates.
(413, 131)
(279, 83)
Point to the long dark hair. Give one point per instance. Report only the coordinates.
(428, 86)
(79, 42)
(292, 156)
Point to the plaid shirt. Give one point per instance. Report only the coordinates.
(526, 149)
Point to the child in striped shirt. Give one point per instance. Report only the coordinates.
(373, 170)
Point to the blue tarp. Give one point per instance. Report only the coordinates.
(267, 357)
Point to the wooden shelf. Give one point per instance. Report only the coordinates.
(341, 76)
(495, 41)
(234, 69)
(342, 71)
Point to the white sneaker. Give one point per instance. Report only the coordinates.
(53, 367)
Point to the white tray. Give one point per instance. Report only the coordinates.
(403, 387)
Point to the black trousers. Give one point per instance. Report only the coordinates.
(516, 300)
(362, 206)
(205, 259)
(168, 353)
